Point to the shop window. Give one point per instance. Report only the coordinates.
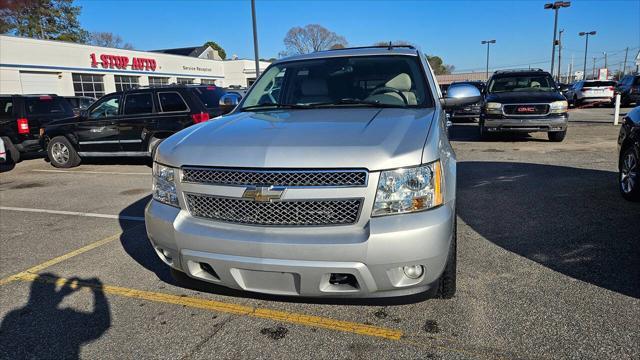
(88, 85)
(124, 82)
(185, 80)
(207, 82)
(158, 81)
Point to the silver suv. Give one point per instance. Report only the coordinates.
(333, 177)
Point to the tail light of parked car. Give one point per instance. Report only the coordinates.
(23, 126)
(201, 117)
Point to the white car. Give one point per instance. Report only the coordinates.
(590, 91)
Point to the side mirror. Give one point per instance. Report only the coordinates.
(84, 113)
(228, 102)
(461, 95)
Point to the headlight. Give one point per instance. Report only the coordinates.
(559, 107)
(164, 186)
(407, 190)
(493, 108)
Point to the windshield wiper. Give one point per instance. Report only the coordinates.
(350, 101)
(275, 105)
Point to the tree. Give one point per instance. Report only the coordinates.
(394, 43)
(214, 45)
(108, 39)
(42, 19)
(311, 38)
(438, 66)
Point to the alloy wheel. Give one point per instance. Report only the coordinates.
(629, 172)
(60, 153)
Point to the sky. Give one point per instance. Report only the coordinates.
(523, 30)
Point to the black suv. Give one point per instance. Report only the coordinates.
(629, 89)
(524, 101)
(133, 122)
(22, 116)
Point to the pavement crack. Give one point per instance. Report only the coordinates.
(216, 328)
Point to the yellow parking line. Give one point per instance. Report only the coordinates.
(212, 305)
(64, 257)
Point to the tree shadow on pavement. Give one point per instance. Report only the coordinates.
(570, 220)
(43, 329)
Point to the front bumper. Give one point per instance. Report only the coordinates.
(546, 123)
(300, 261)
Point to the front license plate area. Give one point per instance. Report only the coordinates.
(272, 282)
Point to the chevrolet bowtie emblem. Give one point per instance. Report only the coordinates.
(263, 193)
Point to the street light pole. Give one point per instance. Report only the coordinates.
(555, 6)
(488, 42)
(560, 55)
(586, 47)
(255, 38)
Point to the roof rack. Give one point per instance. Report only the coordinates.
(518, 70)
(389, 47)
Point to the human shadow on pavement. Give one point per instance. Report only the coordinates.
(43, 329)
(570, 220)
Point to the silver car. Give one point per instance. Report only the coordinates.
(333, 177)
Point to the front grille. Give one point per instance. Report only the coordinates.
(255, 177)
(526, 109)
(278, 213)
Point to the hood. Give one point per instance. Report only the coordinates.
(309, 138)
(524, 97)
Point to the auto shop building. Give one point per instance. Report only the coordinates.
(31, 66)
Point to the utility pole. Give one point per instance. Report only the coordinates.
(570, 75)
(255, 37)
(586, 46)
(605, 59)
(593, 72)
(555, 7)
(624, 68)
(560, 55)
(488, 42)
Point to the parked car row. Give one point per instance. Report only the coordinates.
(603, 91)
(126, 123)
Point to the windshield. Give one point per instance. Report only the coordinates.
(394, 81)
(599, 83)
(542, 83)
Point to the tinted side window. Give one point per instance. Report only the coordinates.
(138, 104)
(6, 108)
(210, 96)
(637, 81)
(47, 105)
(171, 101)
(108, 106)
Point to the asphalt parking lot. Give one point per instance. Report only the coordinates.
(547, 268)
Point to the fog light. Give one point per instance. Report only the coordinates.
(413, 271)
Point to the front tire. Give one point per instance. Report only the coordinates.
(447, 282)
(557, 136)
(629, 181)
(62, 154)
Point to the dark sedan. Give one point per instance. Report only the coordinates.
(629, 159)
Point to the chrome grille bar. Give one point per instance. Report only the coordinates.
(271, 177)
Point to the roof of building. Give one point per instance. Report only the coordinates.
(193, 51)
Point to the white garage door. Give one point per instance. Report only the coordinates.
(39, 83)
